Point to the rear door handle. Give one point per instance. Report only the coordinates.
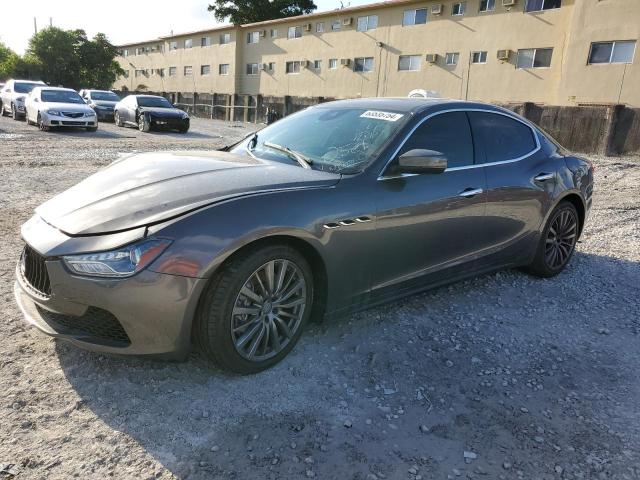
(543, 177)
(470, 192)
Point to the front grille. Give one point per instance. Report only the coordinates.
(73, 114)
(34, 271)
(96, 326)
(73, 123)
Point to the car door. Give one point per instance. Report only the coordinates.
(428, 224)
(521, 181)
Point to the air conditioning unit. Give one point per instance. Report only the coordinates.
(305, 63)
(347, 21)
(263, 33)
(431, 57)
(508, 3)
(504, 55)
(262, 66)
(436, 8)
(307, 27)
(345, 62)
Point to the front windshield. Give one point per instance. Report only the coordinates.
(105, 96)
(61, 96)
(24, 87)
(157, 102)
(343, 140)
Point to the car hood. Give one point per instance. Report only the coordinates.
(149, 188)
(67, 107)
(163, 112)
(104, 103)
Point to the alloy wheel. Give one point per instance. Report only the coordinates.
(268, 310)
(561, 239)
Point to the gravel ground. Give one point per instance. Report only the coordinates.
(502, 376)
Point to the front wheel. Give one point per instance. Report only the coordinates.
(144, 124)
(14, 112)
(557, 242)
(255, 309)
(92, 129)
(41, 124)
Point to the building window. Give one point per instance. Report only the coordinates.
(272, 66)
(253, 37)
(451, 58)
(205, 69)
(320, 27)
(274, 33)
(538, 5)
(188, 43)
(125, 53)
(487, 5)
(139, 50)
(369, 22)
(223, 69)
(126, 74)
(173, 71)
(414, 17)
(294, 32)
(612, 52)
(225, 38)
(188, 71)
(292, 67)
(173, 45)
(409, 63)
(363, 64)
(479, 57)
(336, 25)
(317, 65)
(534, 58)
(161, 72)
(205, 42)
(459, 8)
(333, 63)
(252, 68)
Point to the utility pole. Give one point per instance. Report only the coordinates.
(35, 25)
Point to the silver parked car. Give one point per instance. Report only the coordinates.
(13, 95)
(50, 107)
(102, 102)
(325, 212)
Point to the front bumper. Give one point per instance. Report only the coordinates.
(64, 121)
(169, 123)
(147, 314)
(104, 114)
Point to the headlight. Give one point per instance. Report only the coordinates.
(185, 116)
(123, 262)
(54, 112)
(90, 114)
(19, 99)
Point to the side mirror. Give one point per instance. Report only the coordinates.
(422, 161)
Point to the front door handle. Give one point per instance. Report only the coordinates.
(543, 177)
(470, 192)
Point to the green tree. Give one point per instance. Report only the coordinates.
(8, 61)
(249, 11)
(98, 69)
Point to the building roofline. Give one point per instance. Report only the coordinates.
(328, 13)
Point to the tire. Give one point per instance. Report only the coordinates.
(117, 120)
(41, 125)
(144, 124)
(557, 242)
(14, 112)
(92, 129)
(183, 130)
(214, 330)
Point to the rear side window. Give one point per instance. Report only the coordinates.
(447, 133)
(503, 138)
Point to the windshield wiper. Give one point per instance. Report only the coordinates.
(300, 158)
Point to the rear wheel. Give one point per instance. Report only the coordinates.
(14, 112)
(557, 242)
(117, 120)
(255, 309)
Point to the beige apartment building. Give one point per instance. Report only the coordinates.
(561, 52)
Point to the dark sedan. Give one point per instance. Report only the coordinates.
(326, 212)
(147, 112)
(102, 101)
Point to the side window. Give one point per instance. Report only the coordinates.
(503, 138)
(447, 133)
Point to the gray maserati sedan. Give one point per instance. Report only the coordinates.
(328, 211)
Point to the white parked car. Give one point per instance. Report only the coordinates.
(59, 107)
(13, 95)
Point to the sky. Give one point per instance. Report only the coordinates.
(123, 21)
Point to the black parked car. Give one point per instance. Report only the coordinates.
(325, 212)
(150, 111)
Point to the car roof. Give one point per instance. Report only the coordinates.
(408, 104)
(59, 89)
(148, 96)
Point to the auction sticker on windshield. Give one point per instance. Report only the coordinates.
(387, 116)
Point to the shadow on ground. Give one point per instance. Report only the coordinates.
(515, 371)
